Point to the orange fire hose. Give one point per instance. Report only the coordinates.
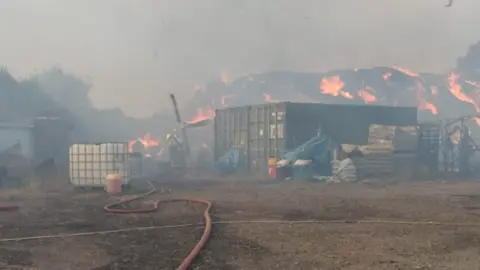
(206, 215)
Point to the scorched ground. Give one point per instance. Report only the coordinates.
(47, 211)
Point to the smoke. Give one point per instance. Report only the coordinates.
(136, 52)
(66, 89)
(67, 96)
(470, 62)
(93, 125)
(21, 101)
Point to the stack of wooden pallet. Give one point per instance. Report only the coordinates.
(377, 159)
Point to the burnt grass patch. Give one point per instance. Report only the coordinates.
(225, 241)
(145, 250)
(251, 246)
(15, 257)
(332, 212)
(461, 240)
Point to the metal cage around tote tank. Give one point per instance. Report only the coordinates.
(90, 164)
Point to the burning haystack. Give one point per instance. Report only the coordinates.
(448, 95)
(434, 95)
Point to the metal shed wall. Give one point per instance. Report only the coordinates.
(231, 129)
(267, 130)
(10, 134)
(350, 124)
(258, 130)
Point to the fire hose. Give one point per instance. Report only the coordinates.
(208, 224)
(110, 208)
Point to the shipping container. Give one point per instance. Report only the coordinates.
(17, 135)
(91, 163)
(268, 130)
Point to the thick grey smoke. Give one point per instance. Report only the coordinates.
(137, 51)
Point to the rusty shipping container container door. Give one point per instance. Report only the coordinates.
(231, 131)
(266, 138)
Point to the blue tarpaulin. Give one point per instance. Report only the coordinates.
(314, 149)
(318, 151)
(229, 162)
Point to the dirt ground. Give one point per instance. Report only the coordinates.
(342, 245)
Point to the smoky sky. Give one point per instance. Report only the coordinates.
(135, 52)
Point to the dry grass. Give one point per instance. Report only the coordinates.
(33, 189)
(255, 246)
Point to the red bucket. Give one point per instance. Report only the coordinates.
(272, 168)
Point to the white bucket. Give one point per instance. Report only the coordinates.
(113, 184)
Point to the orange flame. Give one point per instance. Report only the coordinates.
(202, 115)
(366, 95)
(456, 90)
(333, 86)
(424, 105)
(146, 140)
(406, 72)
